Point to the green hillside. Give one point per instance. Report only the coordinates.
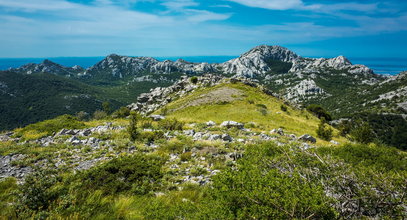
(27, 99)
(244, 104)
(182, 167)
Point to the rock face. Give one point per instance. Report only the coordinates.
(122, 66)
(254, 62)
(307, 88)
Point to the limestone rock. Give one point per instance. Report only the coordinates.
(232, 124)
(307, 138)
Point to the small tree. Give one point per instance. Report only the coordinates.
(194, 80)
(106, 107)
(324, 131)
(345, 127)
(132, 129)
(362, 132)
(122, 112)
(283, 108)
(98, 115)
(320, 112)
(82, 116)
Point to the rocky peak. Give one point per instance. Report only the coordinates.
(47, 66)
(256, 62)
(272, 53)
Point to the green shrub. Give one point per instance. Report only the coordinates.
(146, 123)
(186, 156)
(36, 192)
(362, 133)
(150, 136)
(324, 131)
(283, 108)
(99, 115)
(122, 112)
(106, 107)
(372, 156)
(138, 174)
(194, 80)
(82, 116)
(257, 191)
(132, 128)
(171, 124)
(344, 127)
(320, 112)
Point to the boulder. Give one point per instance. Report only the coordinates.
(277, 131)
(307, 138)
(334, 142)
(214, 137)
(74, 140)
(210, 123)
(232, 124)
(157, 117)
(189, 132)
(227, 137)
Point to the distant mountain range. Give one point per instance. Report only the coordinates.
(335, 83)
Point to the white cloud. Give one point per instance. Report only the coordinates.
(45, 5)
(272, 4)
(177, 5)
(202, 15)
(300, 5)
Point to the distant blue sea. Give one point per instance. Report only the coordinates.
(379, 65)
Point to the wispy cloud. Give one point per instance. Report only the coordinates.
(271, 4)
(179, 5)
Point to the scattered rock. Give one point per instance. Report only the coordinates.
(232, 124)
(334, 142)
(157, 117)
(279, 131)
(226, 137)
(307, 138)
(210, 123)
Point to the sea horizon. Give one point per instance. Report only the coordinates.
(380, 65)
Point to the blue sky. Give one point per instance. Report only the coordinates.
(54, 28)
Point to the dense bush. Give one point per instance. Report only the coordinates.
(106, 107)
(194, 80)
(320, 112)
(36, 192)
(257, 191)
(324, 131)
(171, 124)
(82, 116)
(122, 112)
(362, 133)
(138, 174)
(283, 108)
(376, 157)
(99, 115)
(150, 136)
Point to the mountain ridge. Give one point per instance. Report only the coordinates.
(302, 81)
